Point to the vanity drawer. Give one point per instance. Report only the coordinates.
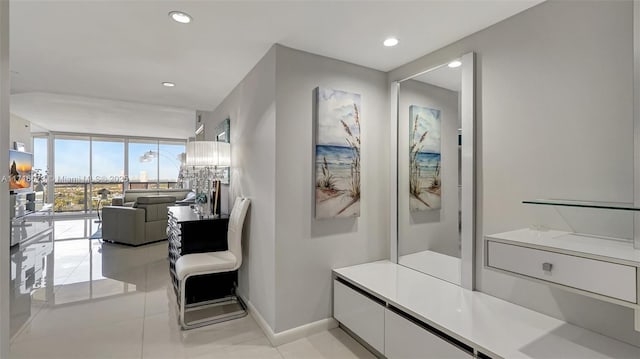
(605, 278)
(406, 340)
(362, 315)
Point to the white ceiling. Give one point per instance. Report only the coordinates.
(66, 113)
(443, 76)
(123, 50)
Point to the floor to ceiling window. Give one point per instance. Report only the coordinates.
(171, 157)
(72, 173)
(85, 165)
(143, 164)
(107, 169)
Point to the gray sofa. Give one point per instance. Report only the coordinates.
(144, 222)
(131, 195)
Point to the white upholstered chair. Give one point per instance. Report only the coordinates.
(202, 264)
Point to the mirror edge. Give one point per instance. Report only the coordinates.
(393, 156)
(467, 112)
(636, 128)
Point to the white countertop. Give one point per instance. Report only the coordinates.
(615, 250)
(494, 326)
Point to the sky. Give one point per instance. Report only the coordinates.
(72, 159)
(428, 120)
(333, 106)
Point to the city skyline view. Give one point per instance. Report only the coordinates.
(72, 160)
(83, 165)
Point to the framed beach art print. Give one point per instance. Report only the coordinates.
(337, 153)
(425, 185)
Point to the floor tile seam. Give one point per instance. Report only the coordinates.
(45, 305)
(66, 278)
(60, 332)
(95, 301)
(36, 313)
(223, 346)
(101, 324)
(153, 314)
(279, 352)
(27, 323)
(252, 339)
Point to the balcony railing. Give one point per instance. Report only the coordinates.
(78, 197)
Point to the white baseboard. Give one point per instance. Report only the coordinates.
(292, 334)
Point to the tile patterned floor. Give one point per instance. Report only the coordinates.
(99, 300)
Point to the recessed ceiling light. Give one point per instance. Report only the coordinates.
(392, 41)
(455, 63)
(181, 17)
(168, 84)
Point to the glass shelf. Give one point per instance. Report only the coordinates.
(584, 204)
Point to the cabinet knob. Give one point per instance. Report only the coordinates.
(547, 267)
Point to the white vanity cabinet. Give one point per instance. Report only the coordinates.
(405, 339)
(603, 268)
(599, 266)
(402, 313)
(362, 314)
(600, 277)
(390, 332)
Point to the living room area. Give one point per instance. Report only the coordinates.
(320, 179)
(106, 162)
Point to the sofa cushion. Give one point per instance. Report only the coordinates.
(132, 195)
(155, 207)
(155, 200)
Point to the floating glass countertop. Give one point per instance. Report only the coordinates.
(584, 204)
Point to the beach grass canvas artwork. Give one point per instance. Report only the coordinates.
(337, 154)
(424, 159)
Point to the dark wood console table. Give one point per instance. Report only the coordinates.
(188, 233)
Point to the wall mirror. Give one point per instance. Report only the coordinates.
(435, 171)
(222, 133)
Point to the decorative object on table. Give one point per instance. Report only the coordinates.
(425, 185)
(201, 201)
(337, 154)
(207, 159)
(103, 193)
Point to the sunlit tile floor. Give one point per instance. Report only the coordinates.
(85, 299)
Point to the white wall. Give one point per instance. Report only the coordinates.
(251, 108)
(20, 131)
(307, 249)
(4, 186)
(554, 114)
(289, 255)
(435, 230)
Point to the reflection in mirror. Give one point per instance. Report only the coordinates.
(430, 165)
(222, 133)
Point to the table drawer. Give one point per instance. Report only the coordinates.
(360, 314)
(605, 278)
